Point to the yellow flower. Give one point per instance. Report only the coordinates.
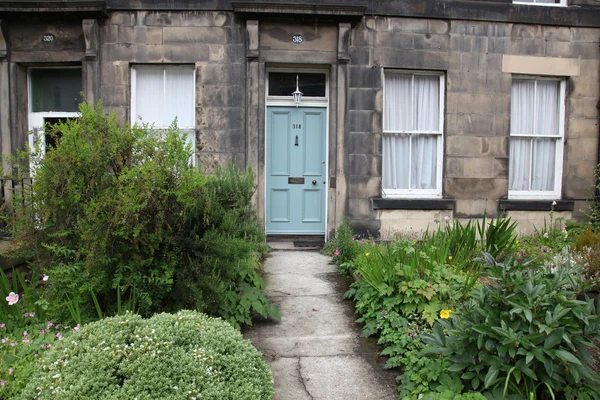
(367, 254)
(445, 314)
(450, 258)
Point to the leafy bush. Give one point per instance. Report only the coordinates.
(587, 243)
(176, 356)
(526, 333)
(120, 212)
(343, 247)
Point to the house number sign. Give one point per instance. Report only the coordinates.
(297, 39)
(48, 38)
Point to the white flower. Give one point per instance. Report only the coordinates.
(553, 203)
(12, 298)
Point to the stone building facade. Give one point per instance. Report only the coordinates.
(411, 111)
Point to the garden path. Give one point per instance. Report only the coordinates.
(315, 351)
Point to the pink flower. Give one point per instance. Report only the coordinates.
(42, 332)
(10, 371)
(336, 252)
(45, 278)
(25, 315)
(2, 383)
(13, 344)
(59, 336)
(32, 314)
(12, 298)
(66, 327)
(2, 325)
(50, 324)
(446, 218)
(4, 340)
(25, 333)
(42, 346)
(25, 340)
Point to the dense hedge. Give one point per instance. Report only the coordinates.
(169, 356)
(120, 215)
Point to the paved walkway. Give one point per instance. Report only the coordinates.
(315, 351)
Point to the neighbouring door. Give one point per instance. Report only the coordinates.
(295, 158)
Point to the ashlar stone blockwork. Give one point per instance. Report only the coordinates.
(477, 115)
(213, 42)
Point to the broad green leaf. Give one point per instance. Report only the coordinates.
(490, 377)
(568, 357)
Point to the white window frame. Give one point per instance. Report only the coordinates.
(134, 116)
(419, 193)
(563, 3)
(35, 120)
(559, 148)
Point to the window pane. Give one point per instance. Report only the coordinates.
(179, 97)
(149, 96)
(522, 107)
(427, 103)
(396, 160)
(54, 89)
(547, 107)
(284, 84)
(520, 164)
(398, 103)
(423, 162)
(544, 151)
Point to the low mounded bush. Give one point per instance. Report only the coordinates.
(187, 355)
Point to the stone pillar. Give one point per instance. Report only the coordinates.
(253, 111)
(342, 87)
(5, 132)
(90, 66)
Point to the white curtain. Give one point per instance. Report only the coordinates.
(179, 96)
(411, 104)
(149, 95)
(165, 93)
(534, 111)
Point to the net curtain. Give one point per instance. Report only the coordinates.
(534, 112)
(411, 110)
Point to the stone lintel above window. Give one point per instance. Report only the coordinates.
(535, 205)
(412, 204)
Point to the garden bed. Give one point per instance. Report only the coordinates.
(506, 324)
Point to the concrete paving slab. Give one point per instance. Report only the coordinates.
(336, 378)
(301, 262)
(289, 384)
(315, 351)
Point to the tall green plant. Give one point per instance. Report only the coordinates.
(119, 211)
(525, 334)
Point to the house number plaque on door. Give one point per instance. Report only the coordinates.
(295, 181)
(48, 38)
(297, 39)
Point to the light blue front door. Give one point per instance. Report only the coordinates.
(295, 170)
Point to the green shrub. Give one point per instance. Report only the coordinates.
(119, 212)
(343, 247)
(525, 334)
(169, 356)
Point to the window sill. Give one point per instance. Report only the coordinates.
(412, 204)
(535, 205)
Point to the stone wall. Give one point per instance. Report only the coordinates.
(213, 42)
(477, 106)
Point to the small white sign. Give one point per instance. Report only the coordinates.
(297, 39)
(48, 38)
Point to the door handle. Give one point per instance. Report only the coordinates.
(314, 182)
(296, 144)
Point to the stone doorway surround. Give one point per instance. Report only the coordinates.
(326, 29)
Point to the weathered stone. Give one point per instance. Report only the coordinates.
(364, 186)
(187, 35)
(364, 143)
(361, 99)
